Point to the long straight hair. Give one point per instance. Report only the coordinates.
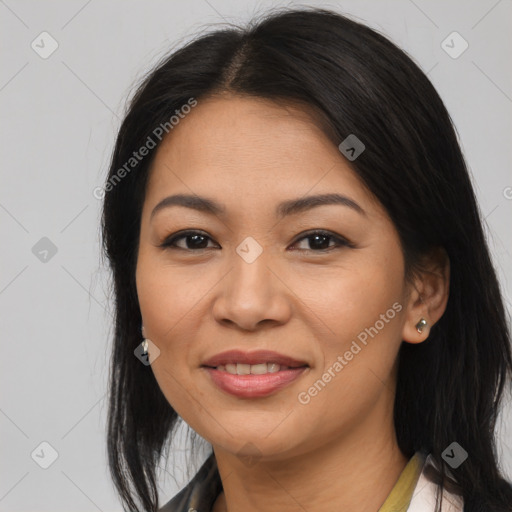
(356, 82)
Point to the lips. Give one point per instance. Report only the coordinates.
(252, 358)
(256, 374)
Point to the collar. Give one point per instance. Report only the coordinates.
(424, 495)
(400, 496)
(414, 491)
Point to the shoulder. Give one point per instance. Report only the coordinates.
(424, 495)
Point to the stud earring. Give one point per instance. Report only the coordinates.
(144, 341)
(420, 325)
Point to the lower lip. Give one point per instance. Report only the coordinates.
(254, 386)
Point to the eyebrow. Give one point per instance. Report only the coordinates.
(286, 208)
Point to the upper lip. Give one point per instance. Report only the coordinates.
(254, 357)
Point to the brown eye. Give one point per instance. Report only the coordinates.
(319, 241)
(193, 241)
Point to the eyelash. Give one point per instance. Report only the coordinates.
(340, 241)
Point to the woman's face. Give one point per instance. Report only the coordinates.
(251, 279)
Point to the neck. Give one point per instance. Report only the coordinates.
(356, 472)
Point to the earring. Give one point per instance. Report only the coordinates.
(420, 325)
(144, 341)
(142, 351)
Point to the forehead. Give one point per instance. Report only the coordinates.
(238, 148)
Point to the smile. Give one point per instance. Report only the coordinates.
(253, 385)
(251, 369)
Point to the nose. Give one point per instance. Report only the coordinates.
(252, 295)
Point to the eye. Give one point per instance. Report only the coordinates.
(318, 241)
(194, 240)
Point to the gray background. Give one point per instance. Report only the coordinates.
(59, 119)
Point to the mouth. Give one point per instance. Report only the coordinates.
(253, 374)
(253, 369)
(259, 359)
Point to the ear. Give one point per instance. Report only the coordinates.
(427, 296)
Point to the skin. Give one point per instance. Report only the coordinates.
(250, 154)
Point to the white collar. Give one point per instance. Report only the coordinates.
(424, 495)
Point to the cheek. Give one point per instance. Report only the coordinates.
(172, 302)
(350, 298)
(361, 306)
(162, 305)
(167, 300)
(169, 297)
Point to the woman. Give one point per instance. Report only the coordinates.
(289, 220)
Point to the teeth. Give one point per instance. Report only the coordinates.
(254, 369)
(243, 369)
(231, 368)
(259, 369)
(273, 367)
